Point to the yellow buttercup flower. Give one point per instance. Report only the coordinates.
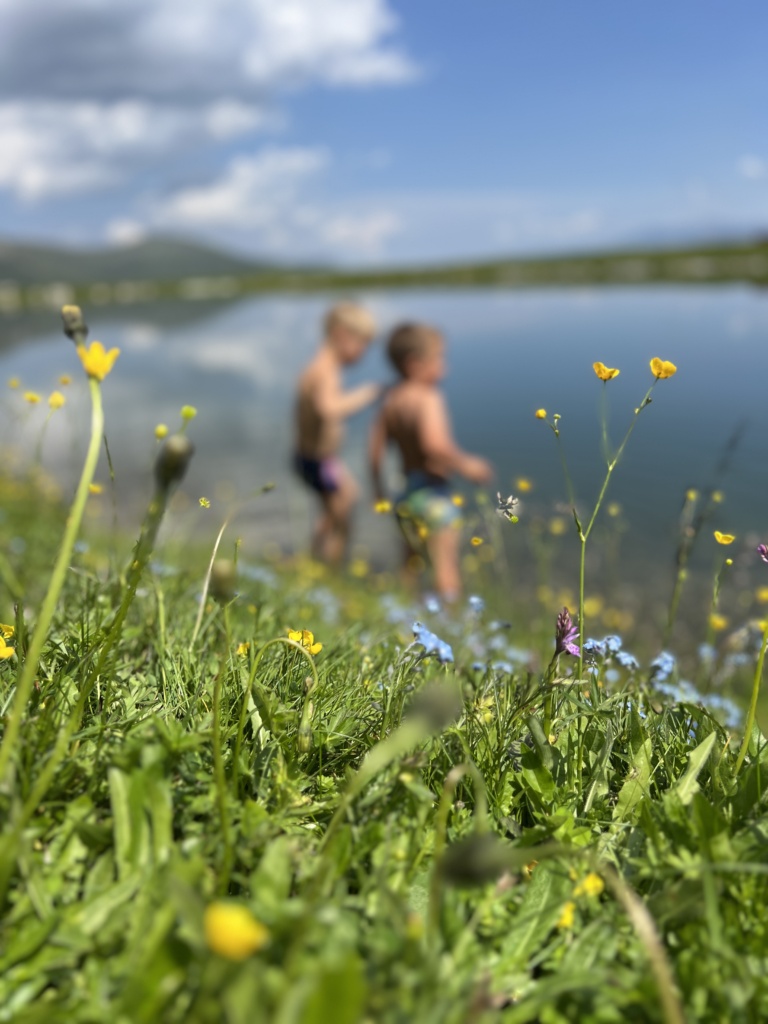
(161, 431)
(243, 648)
(567, 915)
(605, 372)
(662, 368)
(306, 638)
(6, 632)
(718, 497)
(591, 885)
(718, 621)
(692, 494)
(32, 397)
(724, 538)
(65, 379)
(476, 542)
(95, 488)
(523, 485)
(5, 650)
(382, 506)
(761, 594)
(541, 414)
(458, 500)
(13, 383)
(56, 400)
(188, 412)
(97, 362)
(204, 503)
(232, 931)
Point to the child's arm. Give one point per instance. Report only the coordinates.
(377, 444)
(442, 456)
(333, 403)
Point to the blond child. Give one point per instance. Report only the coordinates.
(321, 408)
(415, 417)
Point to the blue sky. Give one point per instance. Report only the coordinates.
(375, 131)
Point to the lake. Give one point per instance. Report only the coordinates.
(509, 352)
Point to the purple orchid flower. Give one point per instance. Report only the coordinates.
(565, 634)
(762, 550)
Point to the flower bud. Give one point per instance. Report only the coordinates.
(74, 326)
(172, 461)
(223, 580)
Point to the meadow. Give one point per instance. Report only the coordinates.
(239, 789)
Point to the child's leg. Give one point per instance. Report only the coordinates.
(338, 506)
(443, 546)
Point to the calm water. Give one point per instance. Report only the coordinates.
(509, 353)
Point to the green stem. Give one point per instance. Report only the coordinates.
(56, 583)
(753, 702)
(218, 761)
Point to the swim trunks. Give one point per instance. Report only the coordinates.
(427, 500)
(322, 475)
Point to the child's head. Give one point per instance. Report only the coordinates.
(417, 352)
(349, 329)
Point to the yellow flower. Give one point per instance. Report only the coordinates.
(204, 503)
(382, 506)
(523, 485)
(6, 632)
(557, 526)
(567, 915)
(662, 368)
(691, 495)
(724, 538)
(423, 531)
(95, 488)
(591, 885)
(605, 372)
(476, 542)
(32, 397)
(232, 931)
(161, 431)
(541, 414)
(718, 621)
(13, 383)
(718, 497)
(359, 568)
(5, 650)
(65, 379)
(56, 400)
(458, 500)
(243, 648)
(188, 412)
(306, 638)
(761, 594)
(97, 362)
(614, 509)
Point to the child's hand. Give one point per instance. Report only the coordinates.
(477, 470)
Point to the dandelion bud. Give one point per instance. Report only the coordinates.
(223, 580)
(74, 326)
(474, 860)
(172, 462)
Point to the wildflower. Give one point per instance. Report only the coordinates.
(382, 506)
(662, 667)
(458, 500)
(613, 644)
(707, 652)
(523, 485)
(476, 603)
(56, 400)
(432, 604)
(188, 412)
(557, 526)
(691, 495)
(306, 638)
(565, 634)
(762, 550)
(724, 538)
(359, 568)
(567, 915)
(718, 621)
(605, 373)
(662, 369)
(97, 362)
(627, 660)
(13, 383)
(95, 488)
(718, 497)
(614, 509)
(432, 643)
(541, 414)
(591, 885)
(232, 931)
(242, 649)
(161, 431)
(476, 542)
(74, 325)
(595, 648)
(506, 507)
(32, 397)
(204, 502)
(6, 632)
(5, 650)
(65, 379)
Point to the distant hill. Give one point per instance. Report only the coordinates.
(157, 259)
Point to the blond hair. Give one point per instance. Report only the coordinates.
(353, 317)
(408, 341)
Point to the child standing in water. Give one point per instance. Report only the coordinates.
(321, 408)
(415, 417)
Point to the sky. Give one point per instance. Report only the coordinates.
(365, 132)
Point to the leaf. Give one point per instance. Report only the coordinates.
(639, 776)
(542, 904)
(338, 996)
(687, 785)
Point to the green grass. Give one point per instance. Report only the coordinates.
(396, 885)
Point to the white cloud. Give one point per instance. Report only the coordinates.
(124, 231)
(753, 167)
